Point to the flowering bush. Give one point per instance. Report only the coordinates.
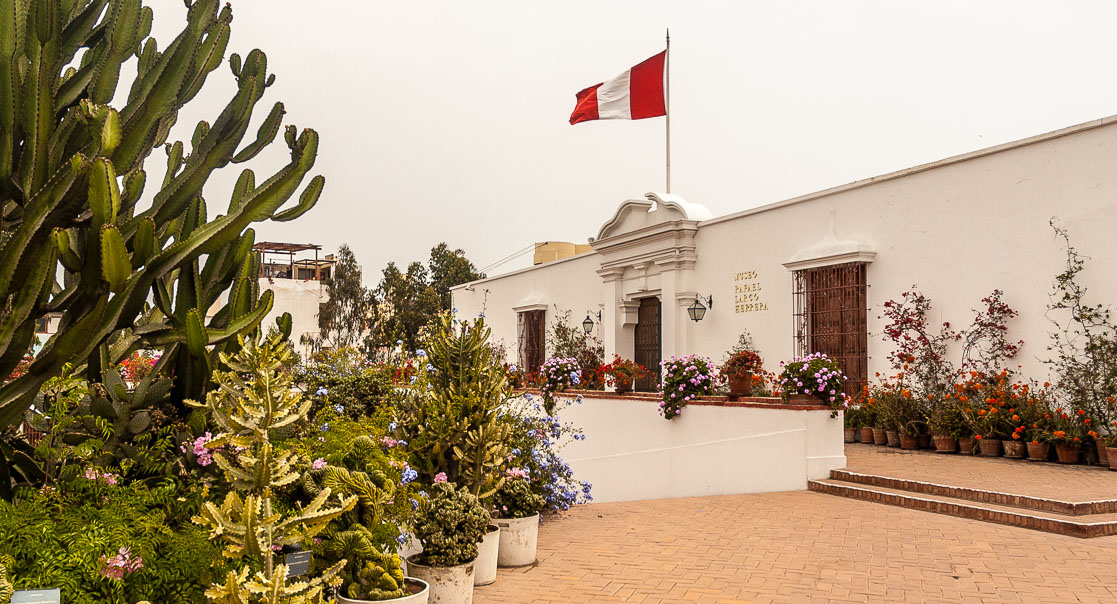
(742, 363)
(815, 375)
(345, 378)
(558, 374)
(621, 373)
(138, 366)
(918, 348)
(536, 440)
(684, 379)
(123, 563)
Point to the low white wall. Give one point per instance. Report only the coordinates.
(631, 452)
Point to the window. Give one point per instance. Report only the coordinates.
(830, 306)
(532, 336)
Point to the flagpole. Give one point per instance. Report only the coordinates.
(667, 105)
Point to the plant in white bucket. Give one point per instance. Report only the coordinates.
(449, 525)
(517, 507)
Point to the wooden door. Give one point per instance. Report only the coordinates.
(648, 343)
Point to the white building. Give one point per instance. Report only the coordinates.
(810, 273)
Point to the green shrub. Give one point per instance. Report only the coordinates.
(344, 380)
(516, 499)
(450, 525)
(63, 537)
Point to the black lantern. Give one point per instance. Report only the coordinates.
(587, 325)
(697, 310)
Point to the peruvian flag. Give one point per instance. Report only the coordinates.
(633, 95)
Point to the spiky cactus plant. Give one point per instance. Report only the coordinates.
(74, 237)
(253, 398)
(380, 577)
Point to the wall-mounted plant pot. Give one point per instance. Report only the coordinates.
(1015, 449)
(419, 594)
(519, 538)
(485, 573)
(945, 444)
(448, 584)
(1038, 451)
(740, 385)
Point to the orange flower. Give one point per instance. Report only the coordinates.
(1016, 436)
(1035, 442)
(1015, 418)
(977, 436)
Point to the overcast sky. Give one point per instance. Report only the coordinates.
(447, 121)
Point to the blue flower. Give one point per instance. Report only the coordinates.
(423, 494)
(402, 443)
(325, 426)
(409, 475)
(414, 504)
(401, 539)
(516, 452)
(392, 427)
(339, 408)
(322, 392)
(420, 352)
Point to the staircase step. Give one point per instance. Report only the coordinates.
(1096, 525)
(1069, 508)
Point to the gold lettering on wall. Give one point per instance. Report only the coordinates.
(746, 293)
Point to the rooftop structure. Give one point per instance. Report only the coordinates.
(279, 261)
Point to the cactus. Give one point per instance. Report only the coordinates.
(6, 588)
(380, 578)
(454, 426)
(72, 176)
(451, 524)
(254, 396)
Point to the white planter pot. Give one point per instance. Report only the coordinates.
(448, 584)
(419, 597)
(485, 572)
(518, 540)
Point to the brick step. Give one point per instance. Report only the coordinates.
(1069, 508)
(1096, 525)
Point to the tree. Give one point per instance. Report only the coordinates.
(345, 318)
(407, 305)
(449, 268)
(72, 176)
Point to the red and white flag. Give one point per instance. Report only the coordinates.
(633, 95)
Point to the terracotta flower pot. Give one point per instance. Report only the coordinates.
(1103, 457)
(1111, 454)
(910, 443)
(879, 437)
(1015, 449)
(1067, 452)
(966, 445)
(740, 385)
(990, 447)
(622, 387)
(867, 436)
(1038, 451)
(924, 440)
(945, 444)
(893, 438)
(850, 435)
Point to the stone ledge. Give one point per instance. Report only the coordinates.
(755, 402)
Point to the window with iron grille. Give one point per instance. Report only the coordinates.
(830, 313)
(532, 338)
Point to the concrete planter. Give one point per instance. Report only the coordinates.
(485, 572)
(519, 538)
(421, 593)
(448, 584)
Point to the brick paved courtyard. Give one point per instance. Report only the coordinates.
(812, 547)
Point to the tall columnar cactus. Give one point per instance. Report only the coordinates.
(74, 237)
(253, 398)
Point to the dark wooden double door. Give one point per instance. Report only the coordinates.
(648, 343)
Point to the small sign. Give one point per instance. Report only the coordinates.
(37, 596)
(298, 564)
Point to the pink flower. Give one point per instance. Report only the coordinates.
(440, 477)
(318, 464)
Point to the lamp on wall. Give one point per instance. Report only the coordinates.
(587, 325)
(697, 310)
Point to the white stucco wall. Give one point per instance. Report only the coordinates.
(958, 228)
(301, 299)
(631, 452)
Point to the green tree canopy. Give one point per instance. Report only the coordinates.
(345, 320)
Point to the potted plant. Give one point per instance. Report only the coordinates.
(817, 376)
(517, 508)
(558, 374)
(739, 370)
(484, 570)
(948, 424)
(379, 578)
(852, 421)
(450, 524)
(621, 374)
(684, 379)
(1068, 445)
(1110, 442)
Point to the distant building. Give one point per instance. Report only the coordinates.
(810, 274)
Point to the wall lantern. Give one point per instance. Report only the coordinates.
(698, 310)
(587, 325)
